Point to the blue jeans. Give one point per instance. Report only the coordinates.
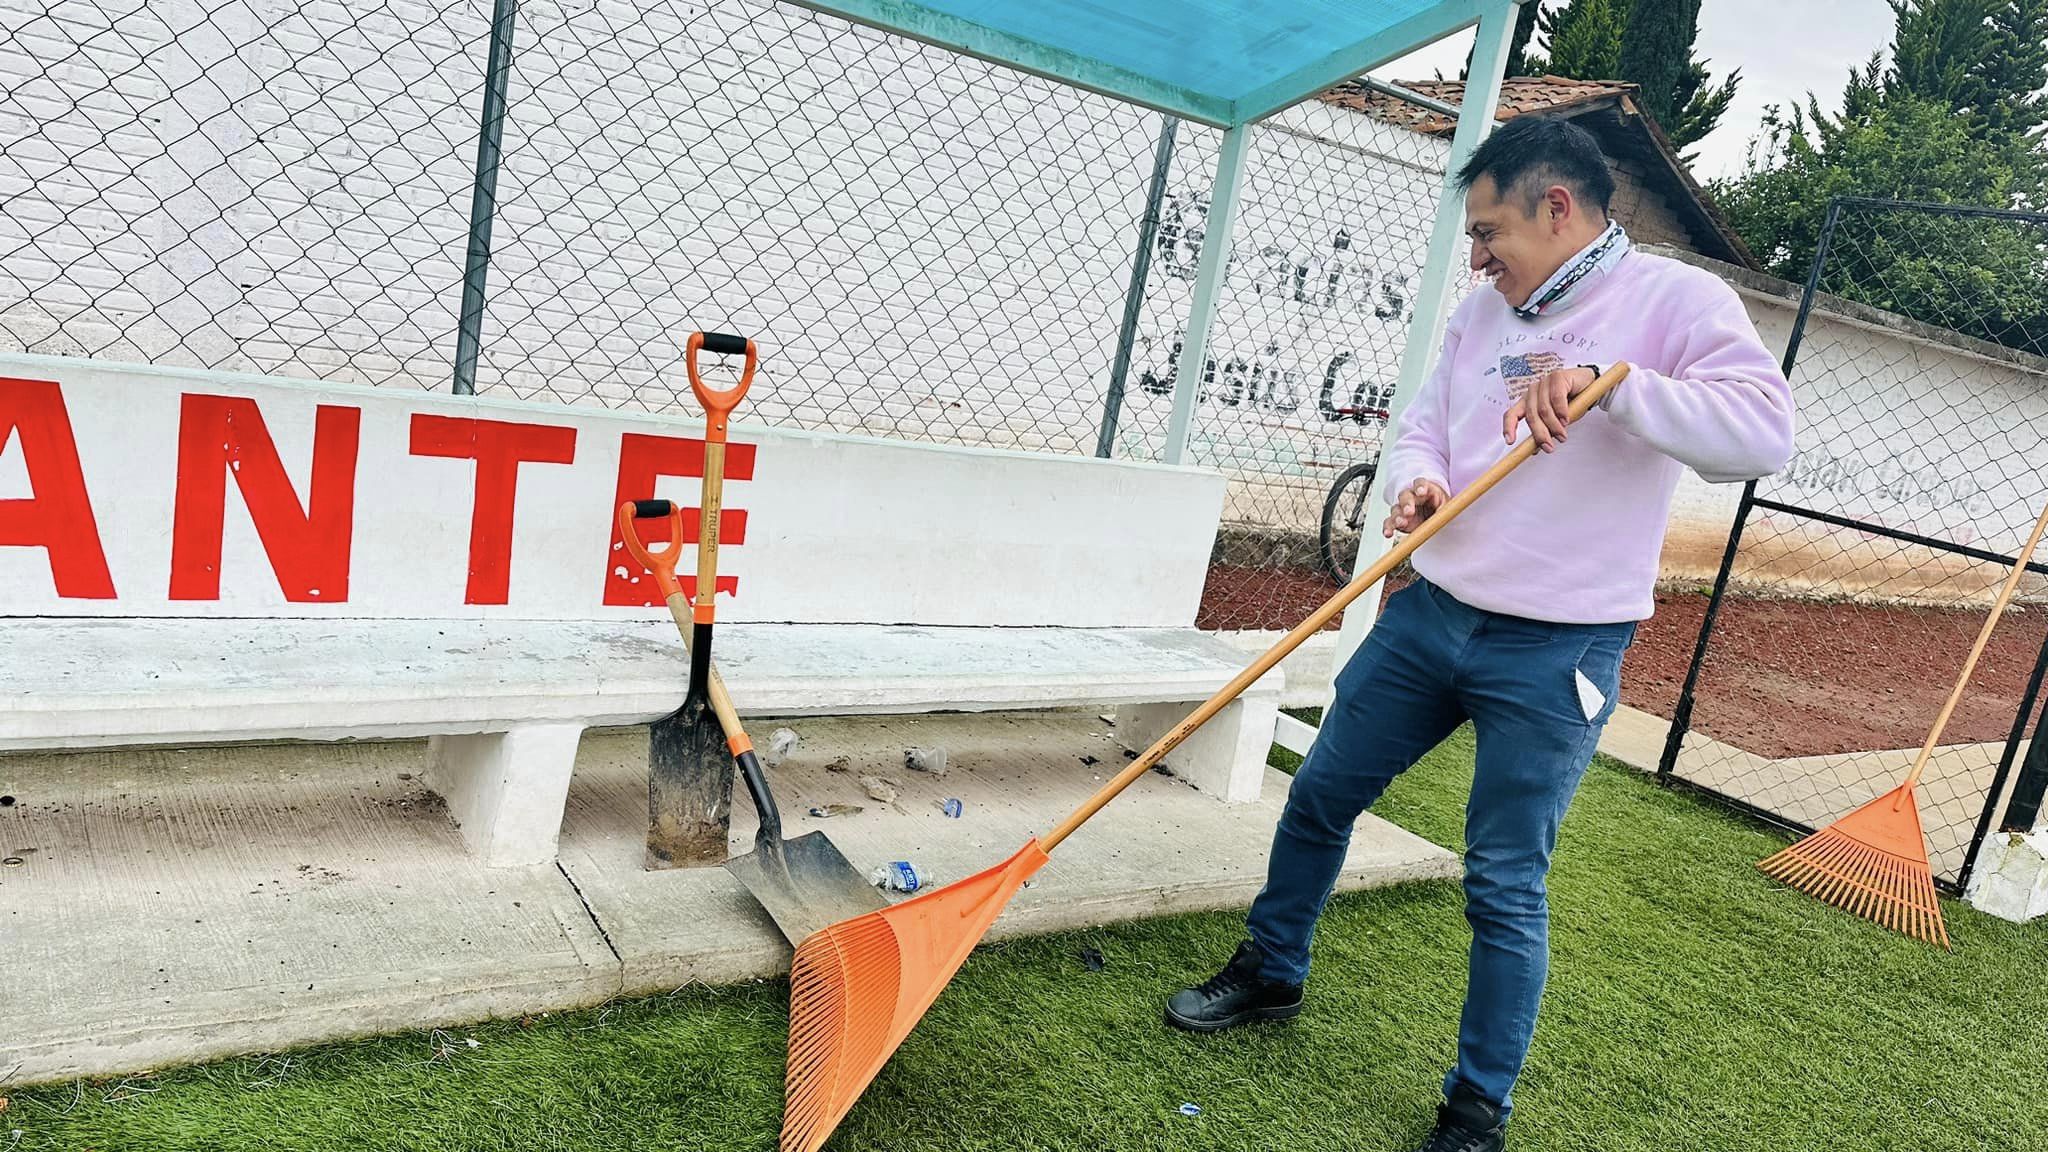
(1429, 664)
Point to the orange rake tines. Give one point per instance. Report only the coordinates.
(858, 987)
(1873, 863)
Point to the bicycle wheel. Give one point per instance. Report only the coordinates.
(1344, 520)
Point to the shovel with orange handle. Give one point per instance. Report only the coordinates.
(804, 883)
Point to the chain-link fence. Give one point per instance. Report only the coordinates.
(1332, 231)
(239, 185)
(1858, 578)
(539, 199)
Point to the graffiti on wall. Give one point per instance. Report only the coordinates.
(1333, 275)
(1306, 347)
(1907, 481)
(1270, 379)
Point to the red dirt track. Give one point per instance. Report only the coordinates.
(1783, 677)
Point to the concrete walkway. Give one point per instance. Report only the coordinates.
(1817, 790)
(172, 905)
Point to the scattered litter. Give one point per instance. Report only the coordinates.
(1130, 754)
(1091, 959)
(839, 764)
(3, 1103)
(932, 760)
(1190, 1110)
(473, 1042)
(1162, 769)
(6, 801)
(827, 811)
(879, 788)
(899, 876)
(405, 775)
(13, 861)
(1106, 718)
(1090, 761)
(952, 807)
(780, 742)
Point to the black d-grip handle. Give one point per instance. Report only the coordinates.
(725, 345)
(650, 509)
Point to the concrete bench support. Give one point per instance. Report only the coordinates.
(506, 790)
(1225, 757)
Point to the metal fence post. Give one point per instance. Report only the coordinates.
(2024, 812)
(1681, 712)
(1209, 278)
(1134, 297)
(2026, 795)
(483, 199)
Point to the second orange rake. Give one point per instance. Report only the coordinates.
(1873, 862)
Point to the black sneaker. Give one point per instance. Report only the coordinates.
(1466, 1123)
(1236, 995)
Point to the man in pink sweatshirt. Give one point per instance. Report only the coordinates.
(1527, 600)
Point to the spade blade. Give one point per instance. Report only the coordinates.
(689, 788)
(805, 884)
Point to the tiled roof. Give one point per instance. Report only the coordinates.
(1624, 129)
(1518, 94)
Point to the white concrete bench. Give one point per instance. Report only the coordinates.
(506, 701)
(223, 558)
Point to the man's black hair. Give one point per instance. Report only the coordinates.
(1530, 153)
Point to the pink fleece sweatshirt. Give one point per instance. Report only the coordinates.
(1573, 536)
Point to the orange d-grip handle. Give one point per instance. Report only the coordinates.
(718, 405)
(662, 563)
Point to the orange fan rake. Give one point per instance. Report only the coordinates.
(857, 988)
(1873, 862)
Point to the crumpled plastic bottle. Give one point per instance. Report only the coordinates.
(899, 876)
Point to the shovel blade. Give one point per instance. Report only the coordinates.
(689, 788)
(805, 884)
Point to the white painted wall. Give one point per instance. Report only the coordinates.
(837, 528)
(1897, 426)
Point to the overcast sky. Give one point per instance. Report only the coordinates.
(1784, 48)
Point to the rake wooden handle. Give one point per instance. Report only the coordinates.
(1580, 405)
(1955, 697)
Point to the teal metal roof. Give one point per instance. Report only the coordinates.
(1221, 62)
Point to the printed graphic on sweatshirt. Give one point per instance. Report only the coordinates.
(1522, 369)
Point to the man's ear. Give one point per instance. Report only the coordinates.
(1557, 207)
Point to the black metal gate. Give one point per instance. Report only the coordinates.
(1855, 581)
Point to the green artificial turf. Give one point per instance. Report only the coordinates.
(1693, 1004)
